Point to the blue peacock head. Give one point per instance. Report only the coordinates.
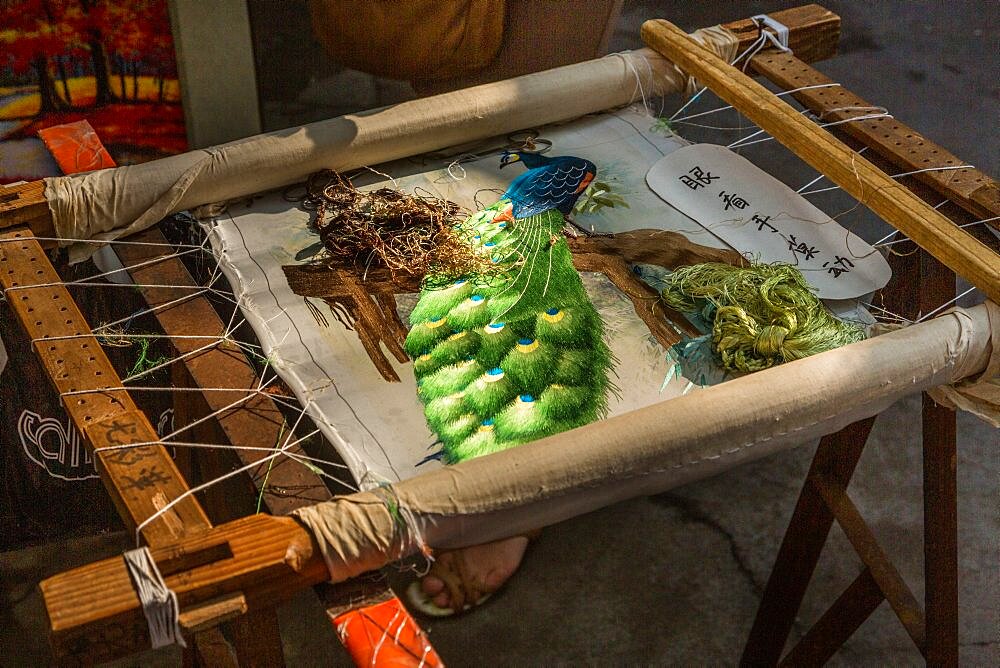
(531, 159)
(551, 182)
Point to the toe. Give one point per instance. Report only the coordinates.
(431, 585)
(442, 600)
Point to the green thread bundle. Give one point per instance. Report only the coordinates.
(145, 361)
(760, 316)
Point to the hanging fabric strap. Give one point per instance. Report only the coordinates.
(159, 603)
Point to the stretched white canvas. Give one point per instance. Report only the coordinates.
(378, 426)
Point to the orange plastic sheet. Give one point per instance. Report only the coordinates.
(76, 147)
(385, 635)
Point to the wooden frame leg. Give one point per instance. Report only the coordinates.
(937, 287)
(838, 624)
(258, 640)
(940, 535)
(835, 460)
(209, 650)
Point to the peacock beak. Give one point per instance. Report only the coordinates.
(507, 159)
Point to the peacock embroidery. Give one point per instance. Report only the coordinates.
(513, 353)
(520, 354)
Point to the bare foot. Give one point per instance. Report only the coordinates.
(487, 566)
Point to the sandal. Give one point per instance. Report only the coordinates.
(464, 592)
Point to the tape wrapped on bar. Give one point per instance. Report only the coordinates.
(655, 448)
(979, 395)
(111, 203)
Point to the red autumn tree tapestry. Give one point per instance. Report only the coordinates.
(110, 62)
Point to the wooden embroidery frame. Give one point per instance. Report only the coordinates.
(257, 574)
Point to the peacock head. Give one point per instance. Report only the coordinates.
(529, 158)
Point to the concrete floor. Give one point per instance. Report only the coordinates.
(675, 579)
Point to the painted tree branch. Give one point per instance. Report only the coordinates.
(365, 301)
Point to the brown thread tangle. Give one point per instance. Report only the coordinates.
(412, 234)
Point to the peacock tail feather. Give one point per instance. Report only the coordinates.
(515, 356)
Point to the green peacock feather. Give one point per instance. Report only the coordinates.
(514, 357)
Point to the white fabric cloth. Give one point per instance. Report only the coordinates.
(378, 427)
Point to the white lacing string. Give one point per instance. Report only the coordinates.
(880, 112)
(300, 458)
(138, 265)
(630, 64)
(741, 143)
(249, 393)
(779, 40)
(59, 284)
(201, 337)
(945, 305)
(214, 341)
(869, 108)
(747, 56)
(866, 117)
(943, 168)
(627, 59)
(159, 602)
(278, 452)
(695, 96)
(100, 242)
(308, 461)
(179, 250)
(166, 305)
(895, 232)
(88, 280)
(880, 243)
(226, 336)
(385, 634)
(220, 446)
(743, 140)
(823, 176)
(674, 119)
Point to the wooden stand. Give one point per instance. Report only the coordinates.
(924, 287)
(925, 284)
(824, 498)
(922, 284)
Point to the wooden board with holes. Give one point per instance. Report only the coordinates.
(974, 190)
(142, 480)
